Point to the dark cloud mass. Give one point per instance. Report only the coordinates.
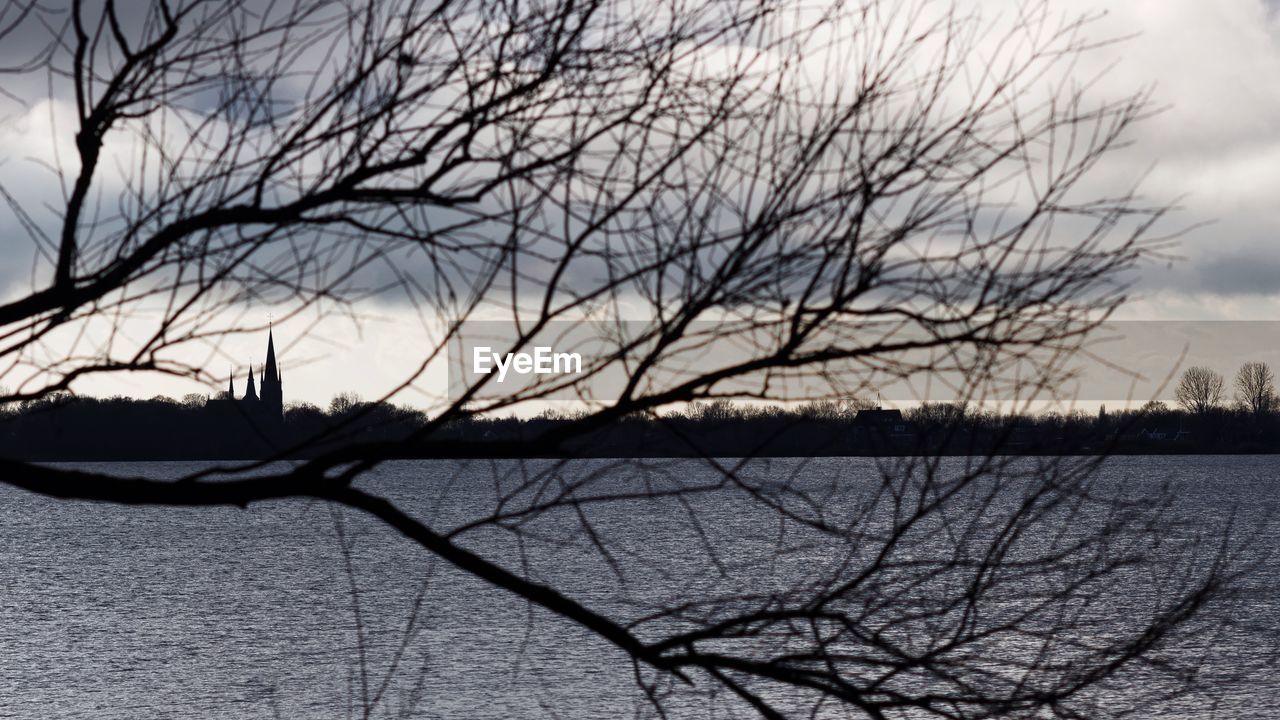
(1214, 147)
(1255, 273)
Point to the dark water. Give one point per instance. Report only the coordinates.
(116, 612)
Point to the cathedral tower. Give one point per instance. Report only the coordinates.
(262, 405)
(272, 390)
(250, 394)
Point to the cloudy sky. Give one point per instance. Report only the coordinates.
(1215, 148)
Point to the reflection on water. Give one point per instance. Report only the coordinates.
(113, 612)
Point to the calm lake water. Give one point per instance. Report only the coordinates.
(118, 612)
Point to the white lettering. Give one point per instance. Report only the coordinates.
(572, 363)
(541, 362)
(503, 363)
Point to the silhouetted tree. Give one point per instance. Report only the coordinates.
(942, 414)
(1255, 388)
(849, 194)
(1200, 390)
(343, 402)
(836, 408)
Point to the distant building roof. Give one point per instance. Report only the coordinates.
(878, 416)
(887, 425)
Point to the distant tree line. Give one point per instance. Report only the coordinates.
(67, 427)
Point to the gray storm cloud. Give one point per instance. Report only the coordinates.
(1214, 148)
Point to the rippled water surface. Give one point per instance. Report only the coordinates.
(124, 612)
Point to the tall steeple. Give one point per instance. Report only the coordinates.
(231, 384)
(272, 366)
(251, 393)
(272, 393)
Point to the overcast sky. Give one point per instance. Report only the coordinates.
(1215, 67)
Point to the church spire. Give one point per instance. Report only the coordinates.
(251, 393)
(271, 371)
(269, 388)
(231, 384)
